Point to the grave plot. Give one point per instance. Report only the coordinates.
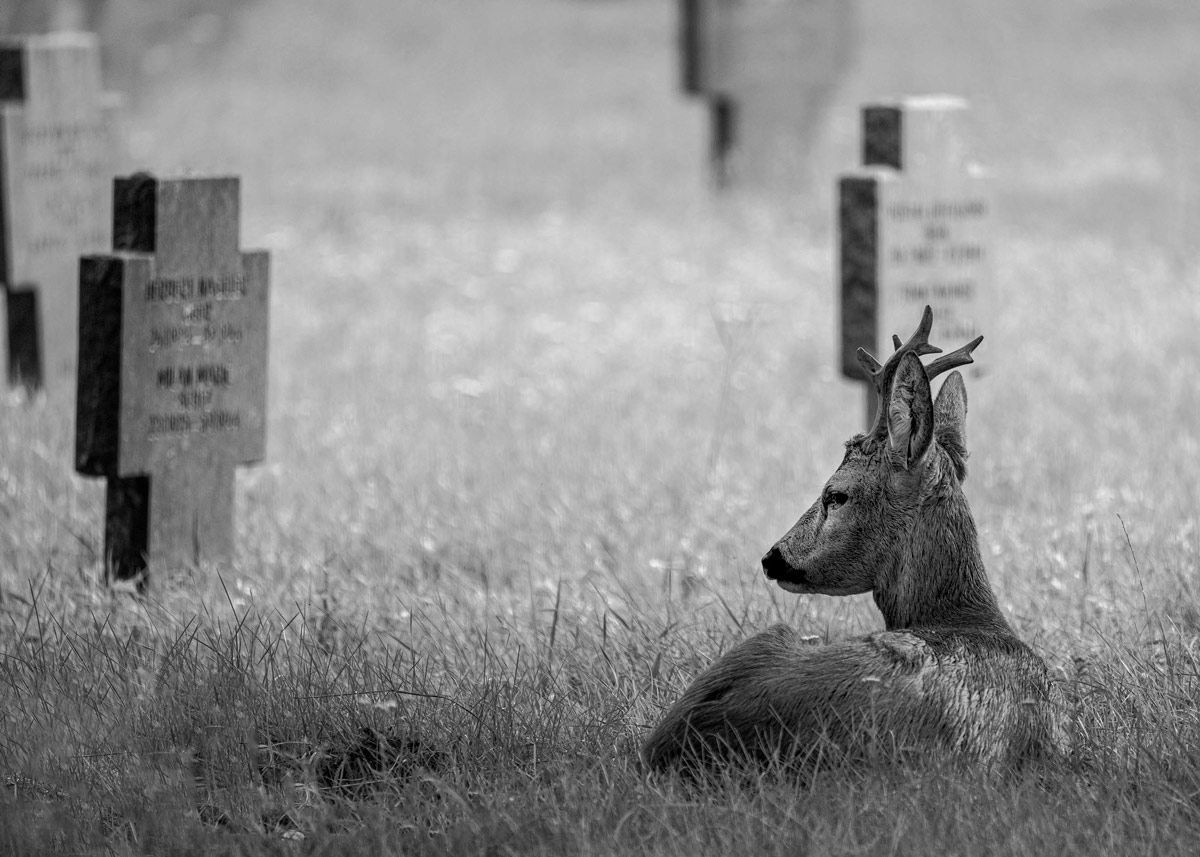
(914, 230)
(56, 166)
(767, 70)
(173, 371)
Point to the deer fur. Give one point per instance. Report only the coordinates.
(947, 678)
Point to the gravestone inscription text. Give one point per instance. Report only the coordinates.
(933, 250)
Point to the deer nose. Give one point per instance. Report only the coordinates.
(776, 567)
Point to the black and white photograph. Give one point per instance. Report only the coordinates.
(600, 427)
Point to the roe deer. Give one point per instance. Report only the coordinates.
(947, 678)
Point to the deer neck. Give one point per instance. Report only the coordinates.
(938, 578)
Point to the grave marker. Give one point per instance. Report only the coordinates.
(914, 229)
(767, 69)
(173, 371)
(56, 157)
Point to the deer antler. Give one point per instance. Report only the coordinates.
(881, 374)
(958, 357)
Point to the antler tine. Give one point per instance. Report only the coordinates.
(918, 343)
(868, 362)
(919, 349)
(958, 357)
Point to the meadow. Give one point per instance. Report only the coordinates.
(539, 402)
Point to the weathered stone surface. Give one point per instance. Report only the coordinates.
(858, 226)
(934, 249)
(705, 45)
(925, 135)
(768, 69)
(56, 163)
(882, 136)
(173, 370)
(915, 229)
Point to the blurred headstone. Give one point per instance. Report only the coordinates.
(23, 17)
(173, 371)
(914, 229)
(77, 15)
(57, 151)
(767, 70)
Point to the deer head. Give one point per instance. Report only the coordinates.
(892, 519)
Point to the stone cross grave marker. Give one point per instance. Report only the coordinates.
(56, 165)
(767, 70)
(172, 372)
(914, 229)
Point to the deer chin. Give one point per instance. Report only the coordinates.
(818, 589)
(797, 588)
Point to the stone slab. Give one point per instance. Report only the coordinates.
(934, 249)
(57, 150)
(915, 236)
(926, 135)
(768, 69)
(705, 42)
(173, 373)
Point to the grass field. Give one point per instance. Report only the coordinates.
(517, 483)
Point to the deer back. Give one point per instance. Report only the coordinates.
(891, 697)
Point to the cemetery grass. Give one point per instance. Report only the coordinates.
(538, 404)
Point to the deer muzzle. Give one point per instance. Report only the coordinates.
(776, 567)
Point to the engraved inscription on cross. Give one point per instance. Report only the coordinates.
(56, 155)
(173, 372)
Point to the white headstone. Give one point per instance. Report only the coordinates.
(916, 229)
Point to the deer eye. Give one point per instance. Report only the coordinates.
(835, 500)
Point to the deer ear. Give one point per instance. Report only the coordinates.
(950, 410)
(910, 413)
(950, 420)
